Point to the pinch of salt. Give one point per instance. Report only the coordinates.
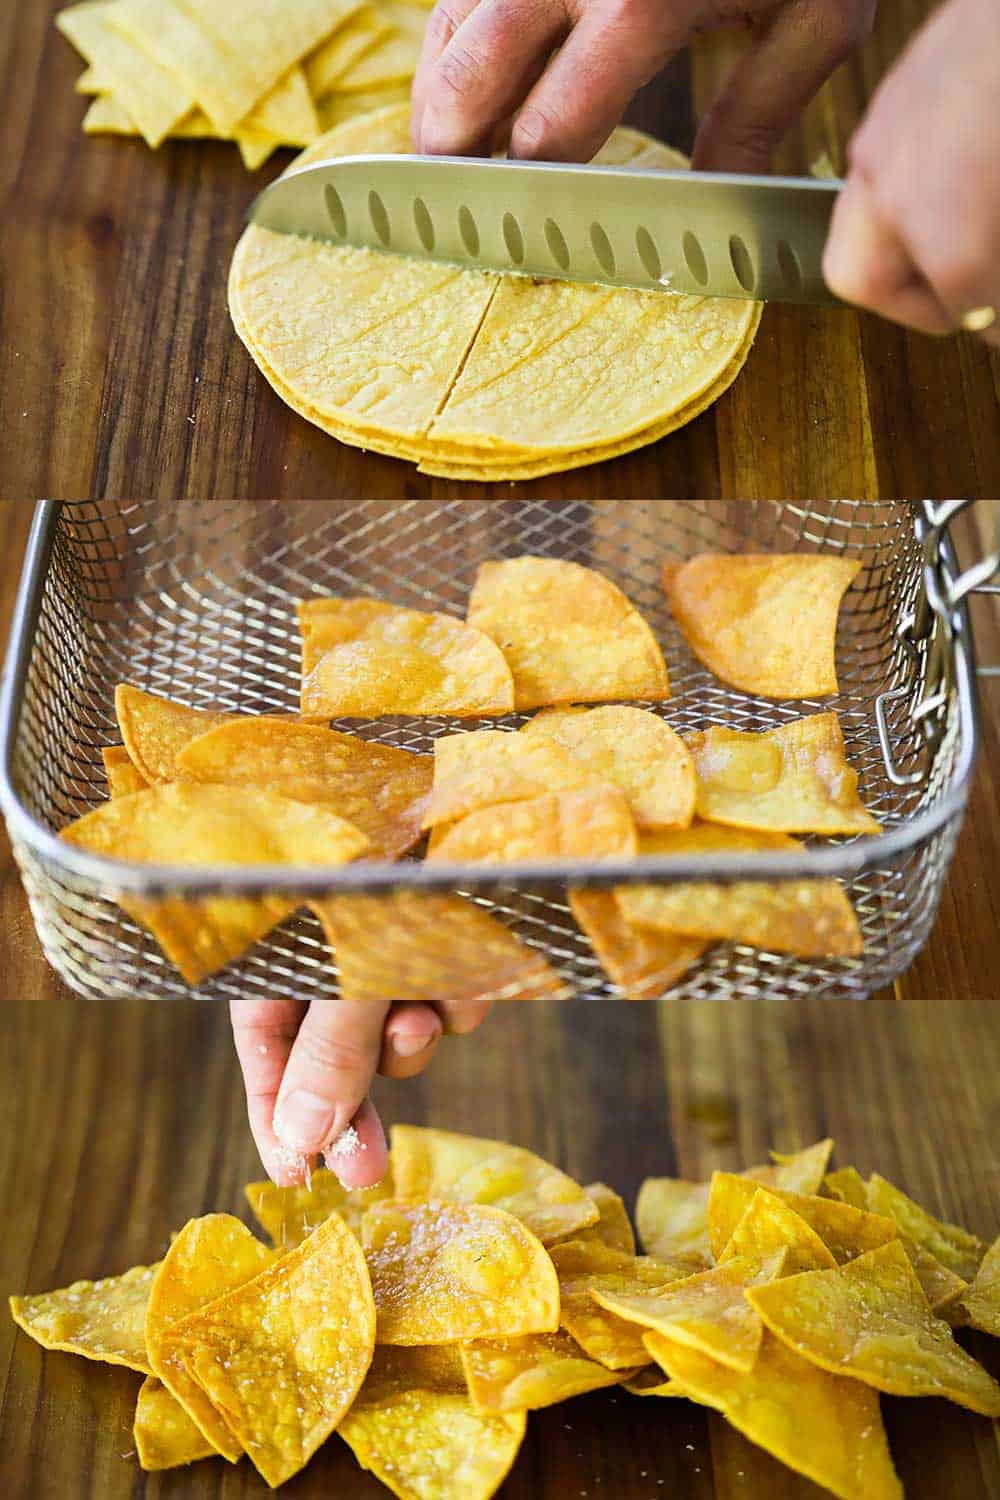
(348, 1143)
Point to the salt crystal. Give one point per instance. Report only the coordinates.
(348, 1143)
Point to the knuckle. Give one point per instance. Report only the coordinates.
(458, 71)
(332, 1055)
(443, 24)
(533, 129)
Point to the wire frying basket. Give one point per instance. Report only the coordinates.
(196, 601)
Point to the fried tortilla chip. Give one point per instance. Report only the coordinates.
(766, 624)
(672, 1215)
(808, 918)
(282, 1357)
(942, 1287)
(431, 945)
(629, 748)
(870, 1320)
(592, 823)
(528, 1373)
(102, 1320)
(466, 1169)
(642, 962)
(188, 824)
(165, 1436)
(651, 1382)
(768, 1226)
(290, 1214)
(793, 779)
(826, 1428)
(847, 1232)
(567, 632)
(122, 776)
(208, 1258)
(847, 1185)
(444, 1272)
(414, 1426)
(155, 730)
(380, 789)
(613, 1227)
(949, 1244)
(708, 1311)
(362, 658)
(466, 372)
(586, 1268)
(489, 767)
(982, 1300)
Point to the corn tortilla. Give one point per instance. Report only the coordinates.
(465, 372)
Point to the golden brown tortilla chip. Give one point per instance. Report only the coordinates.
(102, 1320)
(592, 823)
(362, 658)
(489, 766)
(764, 623)
(155, 730)
(508, 1375)
(568, 633)
(793, 779)
(165, 1436)
(641, 961)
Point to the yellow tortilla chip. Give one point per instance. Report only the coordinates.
(586, 1268)
(982, 1300)
(528, 1373)
(155, 730)
(651, 1382)
(613, 1228)
(362, 658)
(208, 1258)
(793, 779)
(188, 824)
(228, 75)
(102, 1320)
(283, 1356)
(414, 1426)
(846, 1184)
(808, 918)
(165, 1436)
(672, 1215)
(567, 633)
(847, 1232)
(770, 1226)
(444, 1272)
(122, 776)
(826, 1428)
(380, 789)
(871, 1321)
(290, 1214)
(765, 623)
(591, 823)
(466, 1169)
(339, 110)
(489, 767)
(430, 946)
(641, 961)
(951, 1245)
(708, 1311)
(632, 749)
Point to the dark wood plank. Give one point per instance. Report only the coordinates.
(119, 1121)
(120, 373)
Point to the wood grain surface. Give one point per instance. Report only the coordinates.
(120, 372)
(118, 1121)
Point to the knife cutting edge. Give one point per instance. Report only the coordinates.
(702, 233)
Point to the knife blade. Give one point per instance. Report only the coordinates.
(703, 233)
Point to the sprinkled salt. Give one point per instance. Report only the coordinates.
(348, 1143)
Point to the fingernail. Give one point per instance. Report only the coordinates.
(408, 1045)
(303, 1121)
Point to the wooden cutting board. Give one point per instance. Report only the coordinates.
(118, 1121)
(120, 372)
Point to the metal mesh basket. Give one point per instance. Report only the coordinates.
(196, 601)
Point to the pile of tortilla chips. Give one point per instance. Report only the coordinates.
(471, 374)
(610, 780)
(262, 73)
(422, 1320)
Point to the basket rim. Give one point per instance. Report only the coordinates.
(114, 877)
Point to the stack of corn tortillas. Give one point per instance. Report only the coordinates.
(263, 73)
(470, 374)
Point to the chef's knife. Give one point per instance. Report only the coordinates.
(697, 232)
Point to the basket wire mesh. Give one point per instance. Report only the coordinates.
(196, 601)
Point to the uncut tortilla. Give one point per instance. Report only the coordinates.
(464, 370)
